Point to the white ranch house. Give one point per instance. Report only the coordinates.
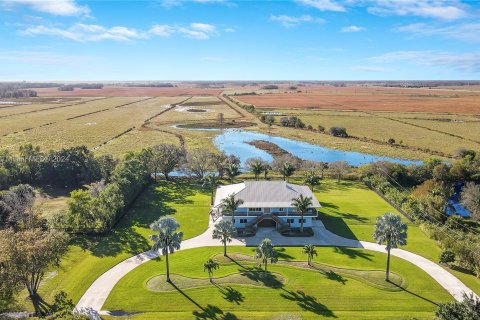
(266, 204)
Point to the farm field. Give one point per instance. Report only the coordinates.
(92, 124)
(369, 101)
(120, 91)
(440, 133)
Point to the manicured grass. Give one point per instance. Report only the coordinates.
(350, 209)
(89, 257)
(308, 293)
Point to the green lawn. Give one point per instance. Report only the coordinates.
(293, 290)
(89, 257)
(350, 209)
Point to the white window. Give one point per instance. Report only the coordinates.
(300, 220)
(255, 209)
(290, 220)
(243, 220)
(281, 209)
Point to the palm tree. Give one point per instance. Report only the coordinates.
(287, 170)
(230, 204)
(390, 229)
(257, 168)
(311, 179)
(224, 231)
(167, 240)
(323, 166)
(302, 204)
(211, 182)
(266, 169)
(310, 251)
(232, 170)
(266, 251)
(210, 266)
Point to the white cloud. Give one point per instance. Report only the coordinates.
(440, 9)
(466, 31)
(467, 62)
(55, 7)
(229, 30)
(87, 32)
(323, 5)
(352, 29)
(290, 21)
(162, 30)
(204, 27)
(91, 32)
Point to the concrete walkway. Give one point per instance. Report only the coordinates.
(97, 293)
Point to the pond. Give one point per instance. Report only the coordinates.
(233, 142)
(454, 207)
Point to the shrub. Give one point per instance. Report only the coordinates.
(309, 127)
(391, 141)
(293, 122)
(338, 132)
(321, 128)
(447, 257)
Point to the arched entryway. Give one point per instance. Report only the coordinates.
(267, 222)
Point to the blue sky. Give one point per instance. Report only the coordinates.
(239, 40)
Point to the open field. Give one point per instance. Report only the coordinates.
(369, 100)
(306, 292)
(349, 209)
(89, 257)
(439, 133)
(118, 91)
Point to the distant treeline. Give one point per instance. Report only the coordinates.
(150, 85)
(71, 87)
(26, 85)
(15, 93)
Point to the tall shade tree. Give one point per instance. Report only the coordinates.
(256, 166)
(211, 182)
(390, 229)
(167, 240)
(210, 266)
(224, 231)
(287, 170)
(230, 204)
(470, 199)
(310, 251)
(232, 170)
(467, 309)
(266, 252)
(339, 168)
(301, 204)
(198, 163)
(27, 255)
(165, 158)
(312, 179)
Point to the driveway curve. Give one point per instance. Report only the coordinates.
(97, 293)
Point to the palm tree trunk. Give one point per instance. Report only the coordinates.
(211, 197)
(338, 178)
(266, 262)
(388, 266)
(166, 175)
(168, 267)
(225, 248)
(301, 223)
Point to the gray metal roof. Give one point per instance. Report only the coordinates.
(265, 194)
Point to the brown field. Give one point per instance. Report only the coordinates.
(371, 99)
(118, 91)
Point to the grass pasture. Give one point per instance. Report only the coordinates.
(91, 124)
(440, 133)
(289, 288)
(89, 257)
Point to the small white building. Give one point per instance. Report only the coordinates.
(266, 204)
